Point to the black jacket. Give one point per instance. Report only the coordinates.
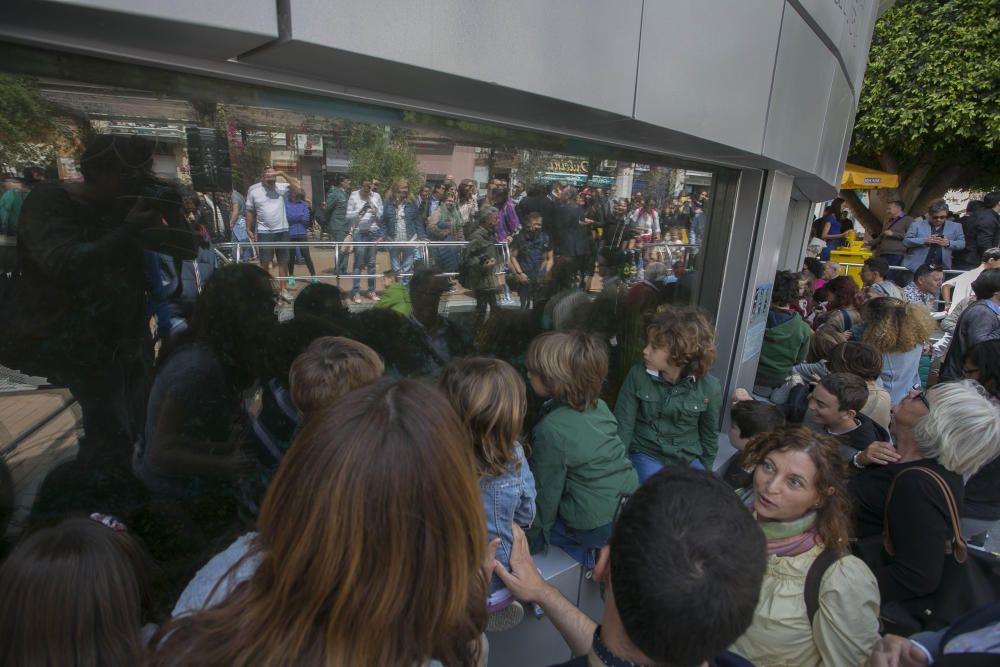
(986, 225)
(977, 323)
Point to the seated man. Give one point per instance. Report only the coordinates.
(786, 336)
(680, 587)
(874, 274)
(926, 284)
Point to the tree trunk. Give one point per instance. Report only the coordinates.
(863, 214)
(934, 188)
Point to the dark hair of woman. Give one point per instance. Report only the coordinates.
(234, 315)
(73, 594)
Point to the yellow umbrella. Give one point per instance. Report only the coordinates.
(857, 177)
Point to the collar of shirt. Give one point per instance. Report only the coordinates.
(657, 377)
(994, 306)
(605, 655)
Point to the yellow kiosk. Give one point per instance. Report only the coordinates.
(857, 177)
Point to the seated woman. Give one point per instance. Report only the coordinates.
(799, 499)
(73, 594)
(189, 447)
(843, 305)
(950, 431)
(898, 331)
(381, 562)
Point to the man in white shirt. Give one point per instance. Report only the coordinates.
(267, 221)
(959, 287)
(364, 212)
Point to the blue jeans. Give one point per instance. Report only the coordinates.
(581, 545)
(344, 257)
(401, 260)
(364, 262)
(646, 466)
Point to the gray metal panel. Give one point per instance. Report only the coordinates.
(251, 16)
(703, 83)
(559, 48)
(765, 251)
(193, 28)
(848, 25)
(803, 76)
(839, 124)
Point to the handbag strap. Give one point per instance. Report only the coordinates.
(956, 545)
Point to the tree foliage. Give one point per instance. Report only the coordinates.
(26, 125)
(930, 103)
(383, 154)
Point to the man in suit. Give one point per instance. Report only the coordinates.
(932, 241)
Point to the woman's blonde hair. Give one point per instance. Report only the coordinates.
(893, 325)
(490, 399)
(397, 183)
(688, 335)
(962, 428)
(370, 546)
(329, 368)
(571, 365)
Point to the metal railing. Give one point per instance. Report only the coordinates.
(239, 248)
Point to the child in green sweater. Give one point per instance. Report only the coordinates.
(580, 464)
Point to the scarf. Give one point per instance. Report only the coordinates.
(790, 538)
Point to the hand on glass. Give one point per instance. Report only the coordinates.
(523, 579)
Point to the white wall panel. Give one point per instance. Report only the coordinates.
(705, 68)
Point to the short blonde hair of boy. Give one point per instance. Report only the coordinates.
(689, 336)
(331, 367)
(571, 364)
(490, 399)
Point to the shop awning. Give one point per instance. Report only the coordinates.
(857, 177)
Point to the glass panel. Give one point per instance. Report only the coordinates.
(134, 194)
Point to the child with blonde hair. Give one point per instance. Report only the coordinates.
(581, 468)
(331, 367)
(489, 397)
(668, 407)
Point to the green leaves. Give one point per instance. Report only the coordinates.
(26, 125)
(384, 154)
(933, 84)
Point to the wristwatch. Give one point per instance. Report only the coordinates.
(854, 461)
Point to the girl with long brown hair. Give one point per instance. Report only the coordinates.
(491, 401)
(369, 552)
(799, 497)
(73, 595)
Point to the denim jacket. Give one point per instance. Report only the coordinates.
(508, 498)
(414, 225)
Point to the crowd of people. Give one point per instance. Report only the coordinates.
(372, 488)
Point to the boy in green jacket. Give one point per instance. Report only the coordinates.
(668, 407)
(787, 336)
(580, 464)
(395, 296)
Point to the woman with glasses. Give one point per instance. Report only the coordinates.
(949, 431)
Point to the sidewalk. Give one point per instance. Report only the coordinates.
(38, 431)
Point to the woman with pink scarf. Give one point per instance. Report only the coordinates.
(818, 605)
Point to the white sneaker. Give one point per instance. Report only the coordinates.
(287, 296)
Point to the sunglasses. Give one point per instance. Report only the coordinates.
(922, 397)
(939, 217)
